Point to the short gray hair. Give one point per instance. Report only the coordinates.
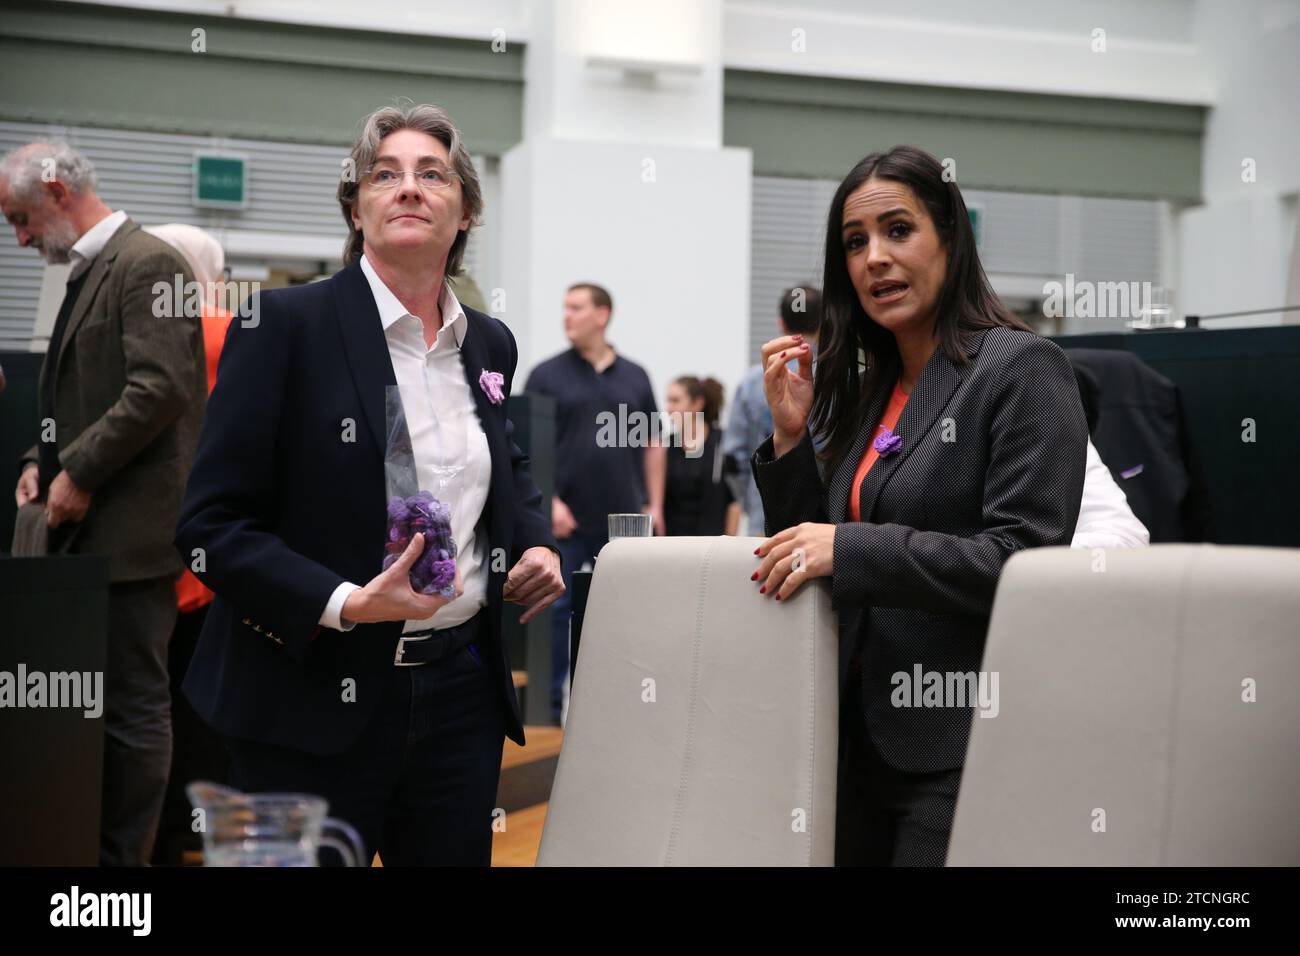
(23, 167)
(423, 118)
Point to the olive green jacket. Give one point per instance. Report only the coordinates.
(129, 395)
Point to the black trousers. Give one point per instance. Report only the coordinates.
(886, 816)
(137, 719)
(420, 783)
(198, 752)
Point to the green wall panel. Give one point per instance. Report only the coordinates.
(133, 69)
(90, 65)
(814, 127)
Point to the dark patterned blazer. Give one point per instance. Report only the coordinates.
(992, 463)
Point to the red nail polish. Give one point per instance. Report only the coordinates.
(778, 597)
(754, 576)
(756, 550)
(763, 589)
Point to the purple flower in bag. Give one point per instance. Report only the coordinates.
(434, 571)
(887, 443)
(491, 383)
(444, 575)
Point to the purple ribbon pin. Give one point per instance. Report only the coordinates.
(887, 443)
(491, 383)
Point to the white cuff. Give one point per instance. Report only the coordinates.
(332, 615)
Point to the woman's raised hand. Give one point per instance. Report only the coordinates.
(789, 394)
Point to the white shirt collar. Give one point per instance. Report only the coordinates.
(390, 309)
(85, 249)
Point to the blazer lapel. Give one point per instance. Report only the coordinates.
(939, 379)
(837, 499)
(475, 360)
(99, 270)
(365, 346)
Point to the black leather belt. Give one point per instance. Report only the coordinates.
(427, 646)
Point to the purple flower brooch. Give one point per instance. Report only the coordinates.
(491, 383)
(887, 443)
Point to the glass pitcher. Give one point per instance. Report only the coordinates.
(267, 829)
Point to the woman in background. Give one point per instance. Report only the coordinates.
(207, 260)
(197, 751)
(697, 498)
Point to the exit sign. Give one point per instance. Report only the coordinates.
(220, 180)
(977, 223)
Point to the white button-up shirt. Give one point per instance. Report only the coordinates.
(92, 243)
(1105, 518)
(452, 458)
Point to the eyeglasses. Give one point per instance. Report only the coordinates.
(426, 177)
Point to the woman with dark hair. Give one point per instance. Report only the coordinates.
(949, 437)
(697, 497)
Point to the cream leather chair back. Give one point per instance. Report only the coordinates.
(1149, 712)
(702, 726)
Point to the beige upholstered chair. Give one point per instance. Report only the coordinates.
(702, 726)
(1126, 679)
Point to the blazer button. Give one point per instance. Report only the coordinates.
(247, 621)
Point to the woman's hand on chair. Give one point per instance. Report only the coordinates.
(789, 394)
(794, 556)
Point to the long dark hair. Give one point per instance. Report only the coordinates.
(844, 388)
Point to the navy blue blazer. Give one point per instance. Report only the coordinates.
(285, 508)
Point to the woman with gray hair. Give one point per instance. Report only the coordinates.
(325, 674)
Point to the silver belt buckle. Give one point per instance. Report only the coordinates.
(401, 650)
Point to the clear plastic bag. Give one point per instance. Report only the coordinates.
(412, 510)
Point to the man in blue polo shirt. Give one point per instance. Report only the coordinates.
(594, 476)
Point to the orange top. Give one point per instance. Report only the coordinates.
(888, 420)
(215, 323)
(190, 592)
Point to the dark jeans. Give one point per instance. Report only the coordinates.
(420, 783)
(579, 547)
(885, 816)
(137, 719)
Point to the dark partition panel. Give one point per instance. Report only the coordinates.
(530, 646)
(581, 591)
(53, 630)
(19, 429)
(1226, 377)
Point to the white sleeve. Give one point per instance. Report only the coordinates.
(1105, 519)
(332, 616)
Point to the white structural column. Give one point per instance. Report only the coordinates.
(1241, 249)
(621, 179)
